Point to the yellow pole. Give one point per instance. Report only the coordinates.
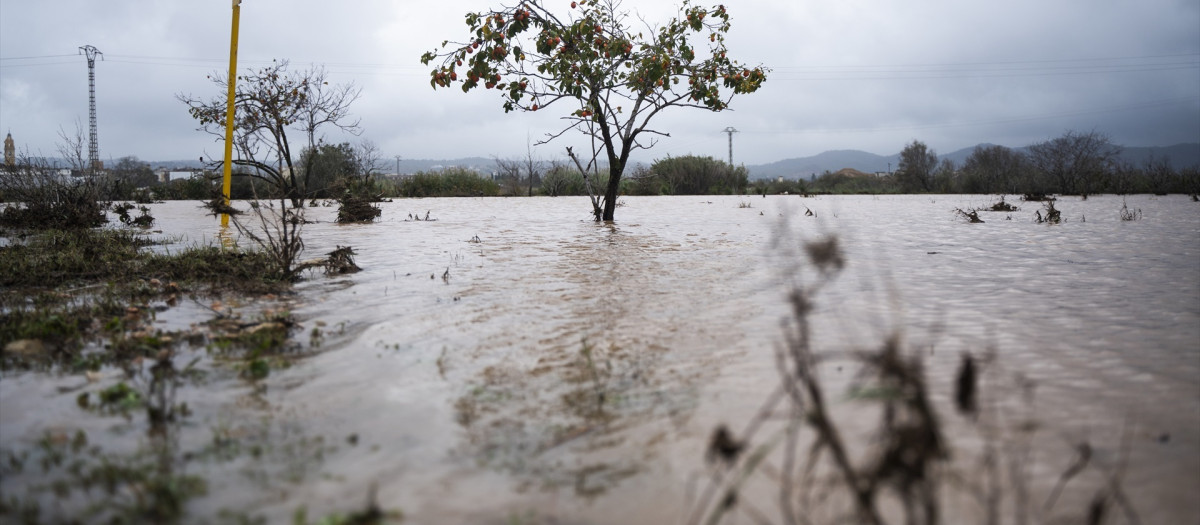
(229, 110)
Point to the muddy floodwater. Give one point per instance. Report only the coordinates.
(511, 361)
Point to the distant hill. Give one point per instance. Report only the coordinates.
(1180, 156)
(828, 161)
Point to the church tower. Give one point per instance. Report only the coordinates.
(10, 151)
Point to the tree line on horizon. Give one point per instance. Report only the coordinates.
(1075, 163)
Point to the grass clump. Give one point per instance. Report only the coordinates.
(72, 257)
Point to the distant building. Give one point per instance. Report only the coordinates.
(10, 151)
(178, 175)
(851, 172)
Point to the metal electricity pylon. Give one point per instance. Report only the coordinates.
(730, 131)
(93, 140)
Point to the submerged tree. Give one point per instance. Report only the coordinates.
(326, 167)
(994, 169)
(270, 102)
(1075, 162)
(694, 175)
(614, 79)
(917, 165)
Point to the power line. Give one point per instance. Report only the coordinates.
(39, 64)
(36, 57)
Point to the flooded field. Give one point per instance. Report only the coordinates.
(511, 361)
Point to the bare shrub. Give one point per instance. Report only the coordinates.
(42, 197)
(277, 232)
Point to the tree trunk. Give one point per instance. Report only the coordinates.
(611, 193)
(610, 198)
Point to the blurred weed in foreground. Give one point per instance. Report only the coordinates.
(822, 472)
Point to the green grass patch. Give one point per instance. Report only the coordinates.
(58, 257)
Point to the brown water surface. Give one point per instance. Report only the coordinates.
(515, 360)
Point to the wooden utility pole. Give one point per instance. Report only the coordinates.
(229, 110)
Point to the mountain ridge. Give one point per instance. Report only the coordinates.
(1182, 155)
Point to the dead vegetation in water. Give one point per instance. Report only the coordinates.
(142, 220)
(1052, 216)
(277, 232)
(816, 470)
(970, 216)
(1000, 206)
(337, 262)
(1129, 215)
(353, 208)
(217, 206)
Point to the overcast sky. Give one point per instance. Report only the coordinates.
(847, 74)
